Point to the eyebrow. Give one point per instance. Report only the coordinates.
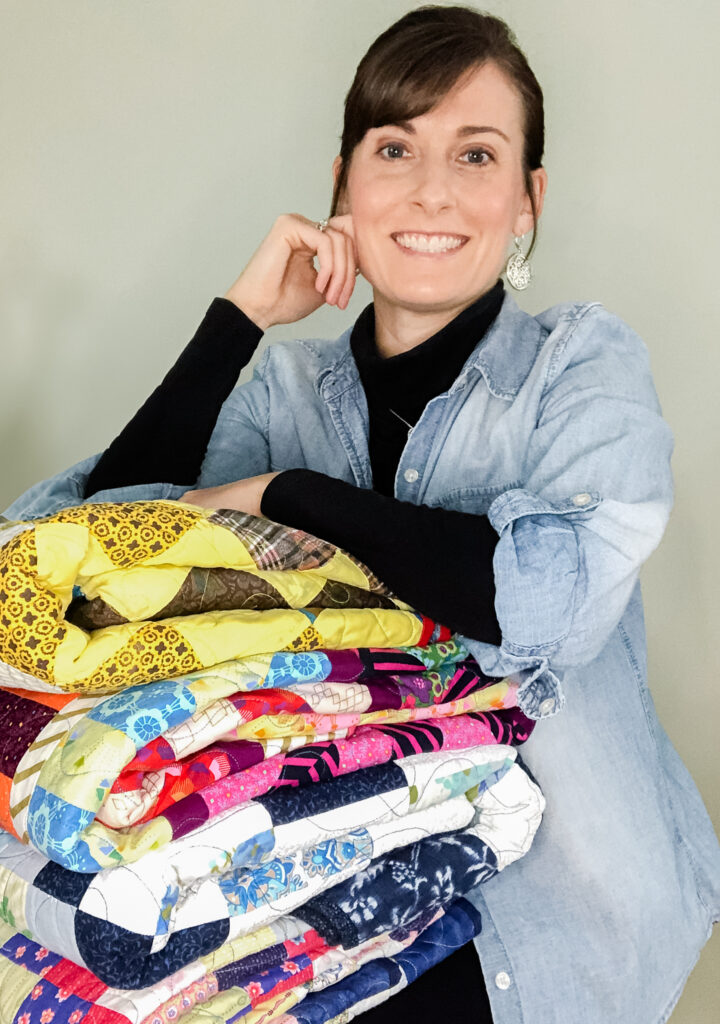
(467, 129)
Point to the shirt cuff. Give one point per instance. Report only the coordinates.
(515, 504)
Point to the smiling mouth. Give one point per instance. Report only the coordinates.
(428, 244)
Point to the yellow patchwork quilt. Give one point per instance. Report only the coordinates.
(103, 596)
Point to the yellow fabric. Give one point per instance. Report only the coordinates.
(135, 557)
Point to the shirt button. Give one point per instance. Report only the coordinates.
(581, 499)
(547, 705)
(503, 980)
(411, 475)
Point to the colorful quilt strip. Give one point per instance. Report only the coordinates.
(352, 981)
(221, 743)
(39, 987)
(72, 836)
(137, 558)
(34, 725)
(134, 927)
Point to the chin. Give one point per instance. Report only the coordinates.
(430, 302)
(431, 291)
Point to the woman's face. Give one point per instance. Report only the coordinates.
(436, 201)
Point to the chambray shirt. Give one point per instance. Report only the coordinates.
(553, 429)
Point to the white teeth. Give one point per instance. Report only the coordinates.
(435, 243)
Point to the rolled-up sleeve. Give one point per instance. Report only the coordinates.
(596, 498)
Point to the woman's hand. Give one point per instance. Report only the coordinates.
(242, 495)
(280, 284)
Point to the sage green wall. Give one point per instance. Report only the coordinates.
(149, 144)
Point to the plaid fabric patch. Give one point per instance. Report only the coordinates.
(274, 546)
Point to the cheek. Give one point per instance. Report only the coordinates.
(496, 210)
(369, 210)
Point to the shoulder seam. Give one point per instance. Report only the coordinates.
(582, 312)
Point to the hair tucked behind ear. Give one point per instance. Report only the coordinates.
(412, 66)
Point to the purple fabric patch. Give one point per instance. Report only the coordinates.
(346, 666)
(383, 696)
(187, 814)
(240, 753)
(20, 722)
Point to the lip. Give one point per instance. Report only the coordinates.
(430, 234)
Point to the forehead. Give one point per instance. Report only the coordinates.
(485, 96)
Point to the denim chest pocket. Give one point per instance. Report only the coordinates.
(475, 500)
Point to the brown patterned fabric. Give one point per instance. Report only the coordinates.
(209, 590)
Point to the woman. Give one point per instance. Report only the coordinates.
(506, 474)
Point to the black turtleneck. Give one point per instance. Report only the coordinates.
(438, 560)
(399, 387)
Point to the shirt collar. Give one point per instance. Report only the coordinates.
(413, 377)
(504, 356)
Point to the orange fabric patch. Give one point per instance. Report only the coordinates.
(5, 819)
(57, 701)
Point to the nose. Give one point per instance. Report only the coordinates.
(432, 189)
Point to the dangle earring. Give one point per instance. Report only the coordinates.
(517, 268)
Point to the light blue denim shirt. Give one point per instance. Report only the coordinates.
(553, 429)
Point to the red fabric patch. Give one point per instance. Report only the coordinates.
(81, 982)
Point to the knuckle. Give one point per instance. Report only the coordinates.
(284, 220)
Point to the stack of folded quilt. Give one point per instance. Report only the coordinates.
(239, 779)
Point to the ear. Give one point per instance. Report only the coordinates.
(342, 201)
(524, 220)
(337, 164)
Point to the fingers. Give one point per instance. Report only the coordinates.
(350, 274)
(324, 248)
(337, 280)
(339, 269)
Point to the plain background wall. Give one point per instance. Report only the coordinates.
(149, 144)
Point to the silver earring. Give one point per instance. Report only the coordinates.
(517, 268)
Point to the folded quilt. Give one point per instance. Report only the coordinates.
(134, 926)
(375, 981)
(245, 728)
(344, 982)
(393, 898)
(243, 779)
(38, 986)
(155, 725)
(74, 839)
(162, 754)
(145, 564)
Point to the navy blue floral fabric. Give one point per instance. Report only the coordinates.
(393, 890)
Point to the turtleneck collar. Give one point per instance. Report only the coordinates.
(409, 380)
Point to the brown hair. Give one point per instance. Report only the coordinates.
(413, 64)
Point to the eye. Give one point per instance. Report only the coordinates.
(480, 157)
(397, 146)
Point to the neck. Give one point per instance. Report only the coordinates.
(399, 329)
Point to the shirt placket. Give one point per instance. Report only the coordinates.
(424, 443)
(345, 400)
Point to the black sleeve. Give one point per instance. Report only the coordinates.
(438, 561)
(167, 438)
